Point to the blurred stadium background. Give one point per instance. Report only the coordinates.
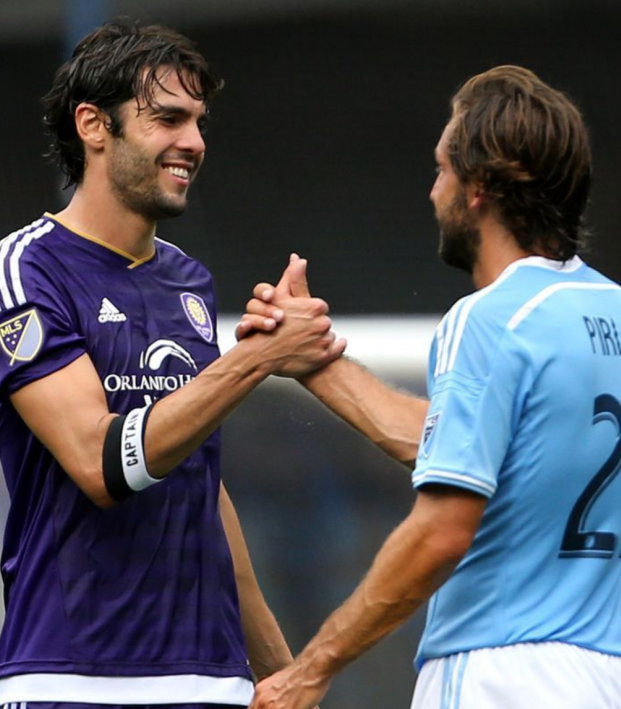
(322, 142)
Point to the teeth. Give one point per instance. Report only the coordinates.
(182, 172)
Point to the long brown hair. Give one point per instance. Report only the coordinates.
(526, 144)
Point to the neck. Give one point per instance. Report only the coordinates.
(499, 249)
(100, 214)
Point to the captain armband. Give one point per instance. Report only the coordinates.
(124, 463)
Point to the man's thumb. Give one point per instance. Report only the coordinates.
(297, 278)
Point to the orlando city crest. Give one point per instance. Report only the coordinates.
(198, 315)
(21, 337)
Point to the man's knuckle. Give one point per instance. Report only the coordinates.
(319, 306)
(324, 323)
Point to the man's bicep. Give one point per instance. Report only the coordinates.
(452, 505)
(67, 411)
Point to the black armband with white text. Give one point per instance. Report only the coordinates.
(124, 463)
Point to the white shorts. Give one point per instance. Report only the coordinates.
(525, 676)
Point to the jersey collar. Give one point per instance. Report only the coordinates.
(569, 266)
(133, 261)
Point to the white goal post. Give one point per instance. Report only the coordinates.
(391, 346)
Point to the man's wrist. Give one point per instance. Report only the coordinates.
(256, 355)
(317, 666)
(320, 375)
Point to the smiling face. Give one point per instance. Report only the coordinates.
(460, 238)
(151, 164)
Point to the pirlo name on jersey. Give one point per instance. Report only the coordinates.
(604, 335)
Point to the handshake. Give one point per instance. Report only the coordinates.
(292, 328)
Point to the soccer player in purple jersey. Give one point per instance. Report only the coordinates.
(127, 580)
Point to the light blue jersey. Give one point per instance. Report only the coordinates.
(525, 387)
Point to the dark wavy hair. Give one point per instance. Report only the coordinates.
(115, 63)
(526, 144)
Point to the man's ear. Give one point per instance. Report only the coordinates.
(477, 196)
(90, 123)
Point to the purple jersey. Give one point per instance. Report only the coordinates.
(145, 590)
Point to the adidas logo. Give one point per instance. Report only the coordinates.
(108, 312)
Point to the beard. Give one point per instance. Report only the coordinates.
(460, 239)
(134, 177)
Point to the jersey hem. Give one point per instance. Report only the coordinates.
(170, 689)
(421, 659)
(460, 480)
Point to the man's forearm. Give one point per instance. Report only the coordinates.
(391, 419)
(407, 570)
(267, 648)
(185, 418)
(414, 561)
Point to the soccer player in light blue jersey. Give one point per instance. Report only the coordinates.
(516, 531)
(126, 576)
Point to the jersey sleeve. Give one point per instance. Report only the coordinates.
(39, 334)
(475, 392)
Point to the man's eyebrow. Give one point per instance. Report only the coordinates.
(159, 108)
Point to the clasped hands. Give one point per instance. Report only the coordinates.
(298, 323)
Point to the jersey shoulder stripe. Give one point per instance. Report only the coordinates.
(5, 247)
(12, 248)
(546, 293)
(458, 317)
(457, 321)
(444, 336)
